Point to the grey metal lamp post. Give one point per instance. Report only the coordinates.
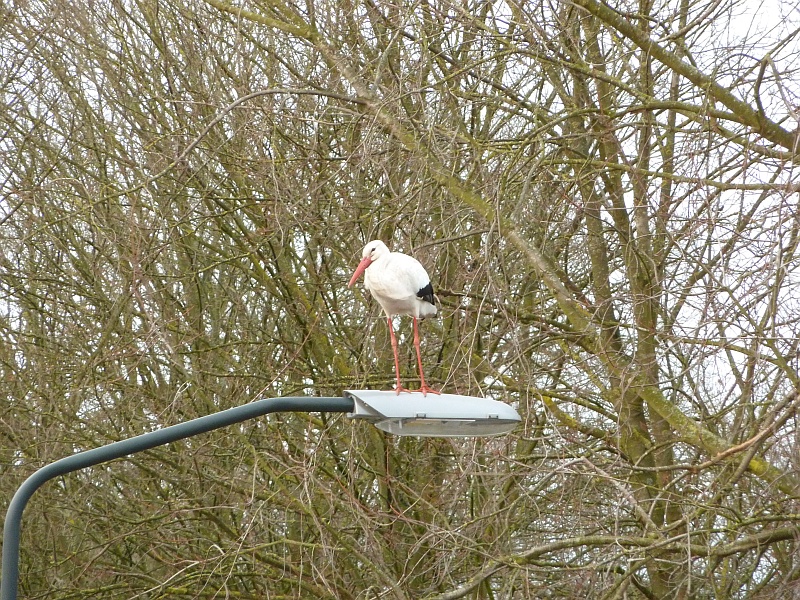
(408, 414)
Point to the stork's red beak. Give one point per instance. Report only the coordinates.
(362, 266)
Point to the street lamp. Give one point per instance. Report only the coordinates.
(405, 414)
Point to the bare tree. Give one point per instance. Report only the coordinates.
(606, 195)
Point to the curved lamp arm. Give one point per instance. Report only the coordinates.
(146, 441)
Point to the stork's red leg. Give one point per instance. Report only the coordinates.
(424, 386)
(399, 387)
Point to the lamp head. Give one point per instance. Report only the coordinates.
(445, 415)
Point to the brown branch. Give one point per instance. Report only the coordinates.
(748, 115)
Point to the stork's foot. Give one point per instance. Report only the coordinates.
(425, 389)
(428, 390)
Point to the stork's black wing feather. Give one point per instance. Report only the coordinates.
(426, 293)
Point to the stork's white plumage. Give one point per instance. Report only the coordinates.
(401, 286)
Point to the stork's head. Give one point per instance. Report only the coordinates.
(372, 252)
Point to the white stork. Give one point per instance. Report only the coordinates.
(401, 286)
